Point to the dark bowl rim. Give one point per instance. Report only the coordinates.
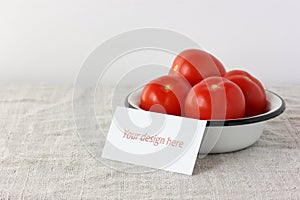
(235, 122)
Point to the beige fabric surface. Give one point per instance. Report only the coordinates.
(41, 156)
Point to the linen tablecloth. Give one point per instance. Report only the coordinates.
(42, 157)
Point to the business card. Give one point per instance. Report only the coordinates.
(154, 140)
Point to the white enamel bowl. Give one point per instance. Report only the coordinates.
(229, 135)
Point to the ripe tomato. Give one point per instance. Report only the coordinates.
(165, 95)
(255, 95)
(215, 98)
(244, 73)
(195, 65)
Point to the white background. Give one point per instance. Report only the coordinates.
(47, 41)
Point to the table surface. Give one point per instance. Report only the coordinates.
(41, 155)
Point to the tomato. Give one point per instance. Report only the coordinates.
(215, 98)
(195, 65)
(165, 95)
(244, 73)
(255, 95)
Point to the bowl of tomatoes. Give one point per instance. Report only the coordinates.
(235, 104)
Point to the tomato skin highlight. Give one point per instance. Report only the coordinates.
(194, 65)
(255, 95)
(165, 94)
(215, 98)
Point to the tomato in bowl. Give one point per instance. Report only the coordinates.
(228, 135)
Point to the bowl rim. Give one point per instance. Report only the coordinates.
(232, 122)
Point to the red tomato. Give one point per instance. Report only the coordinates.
(165, 95)
(244, 73)
(255, 95)
(215, 98)
(195, 65)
